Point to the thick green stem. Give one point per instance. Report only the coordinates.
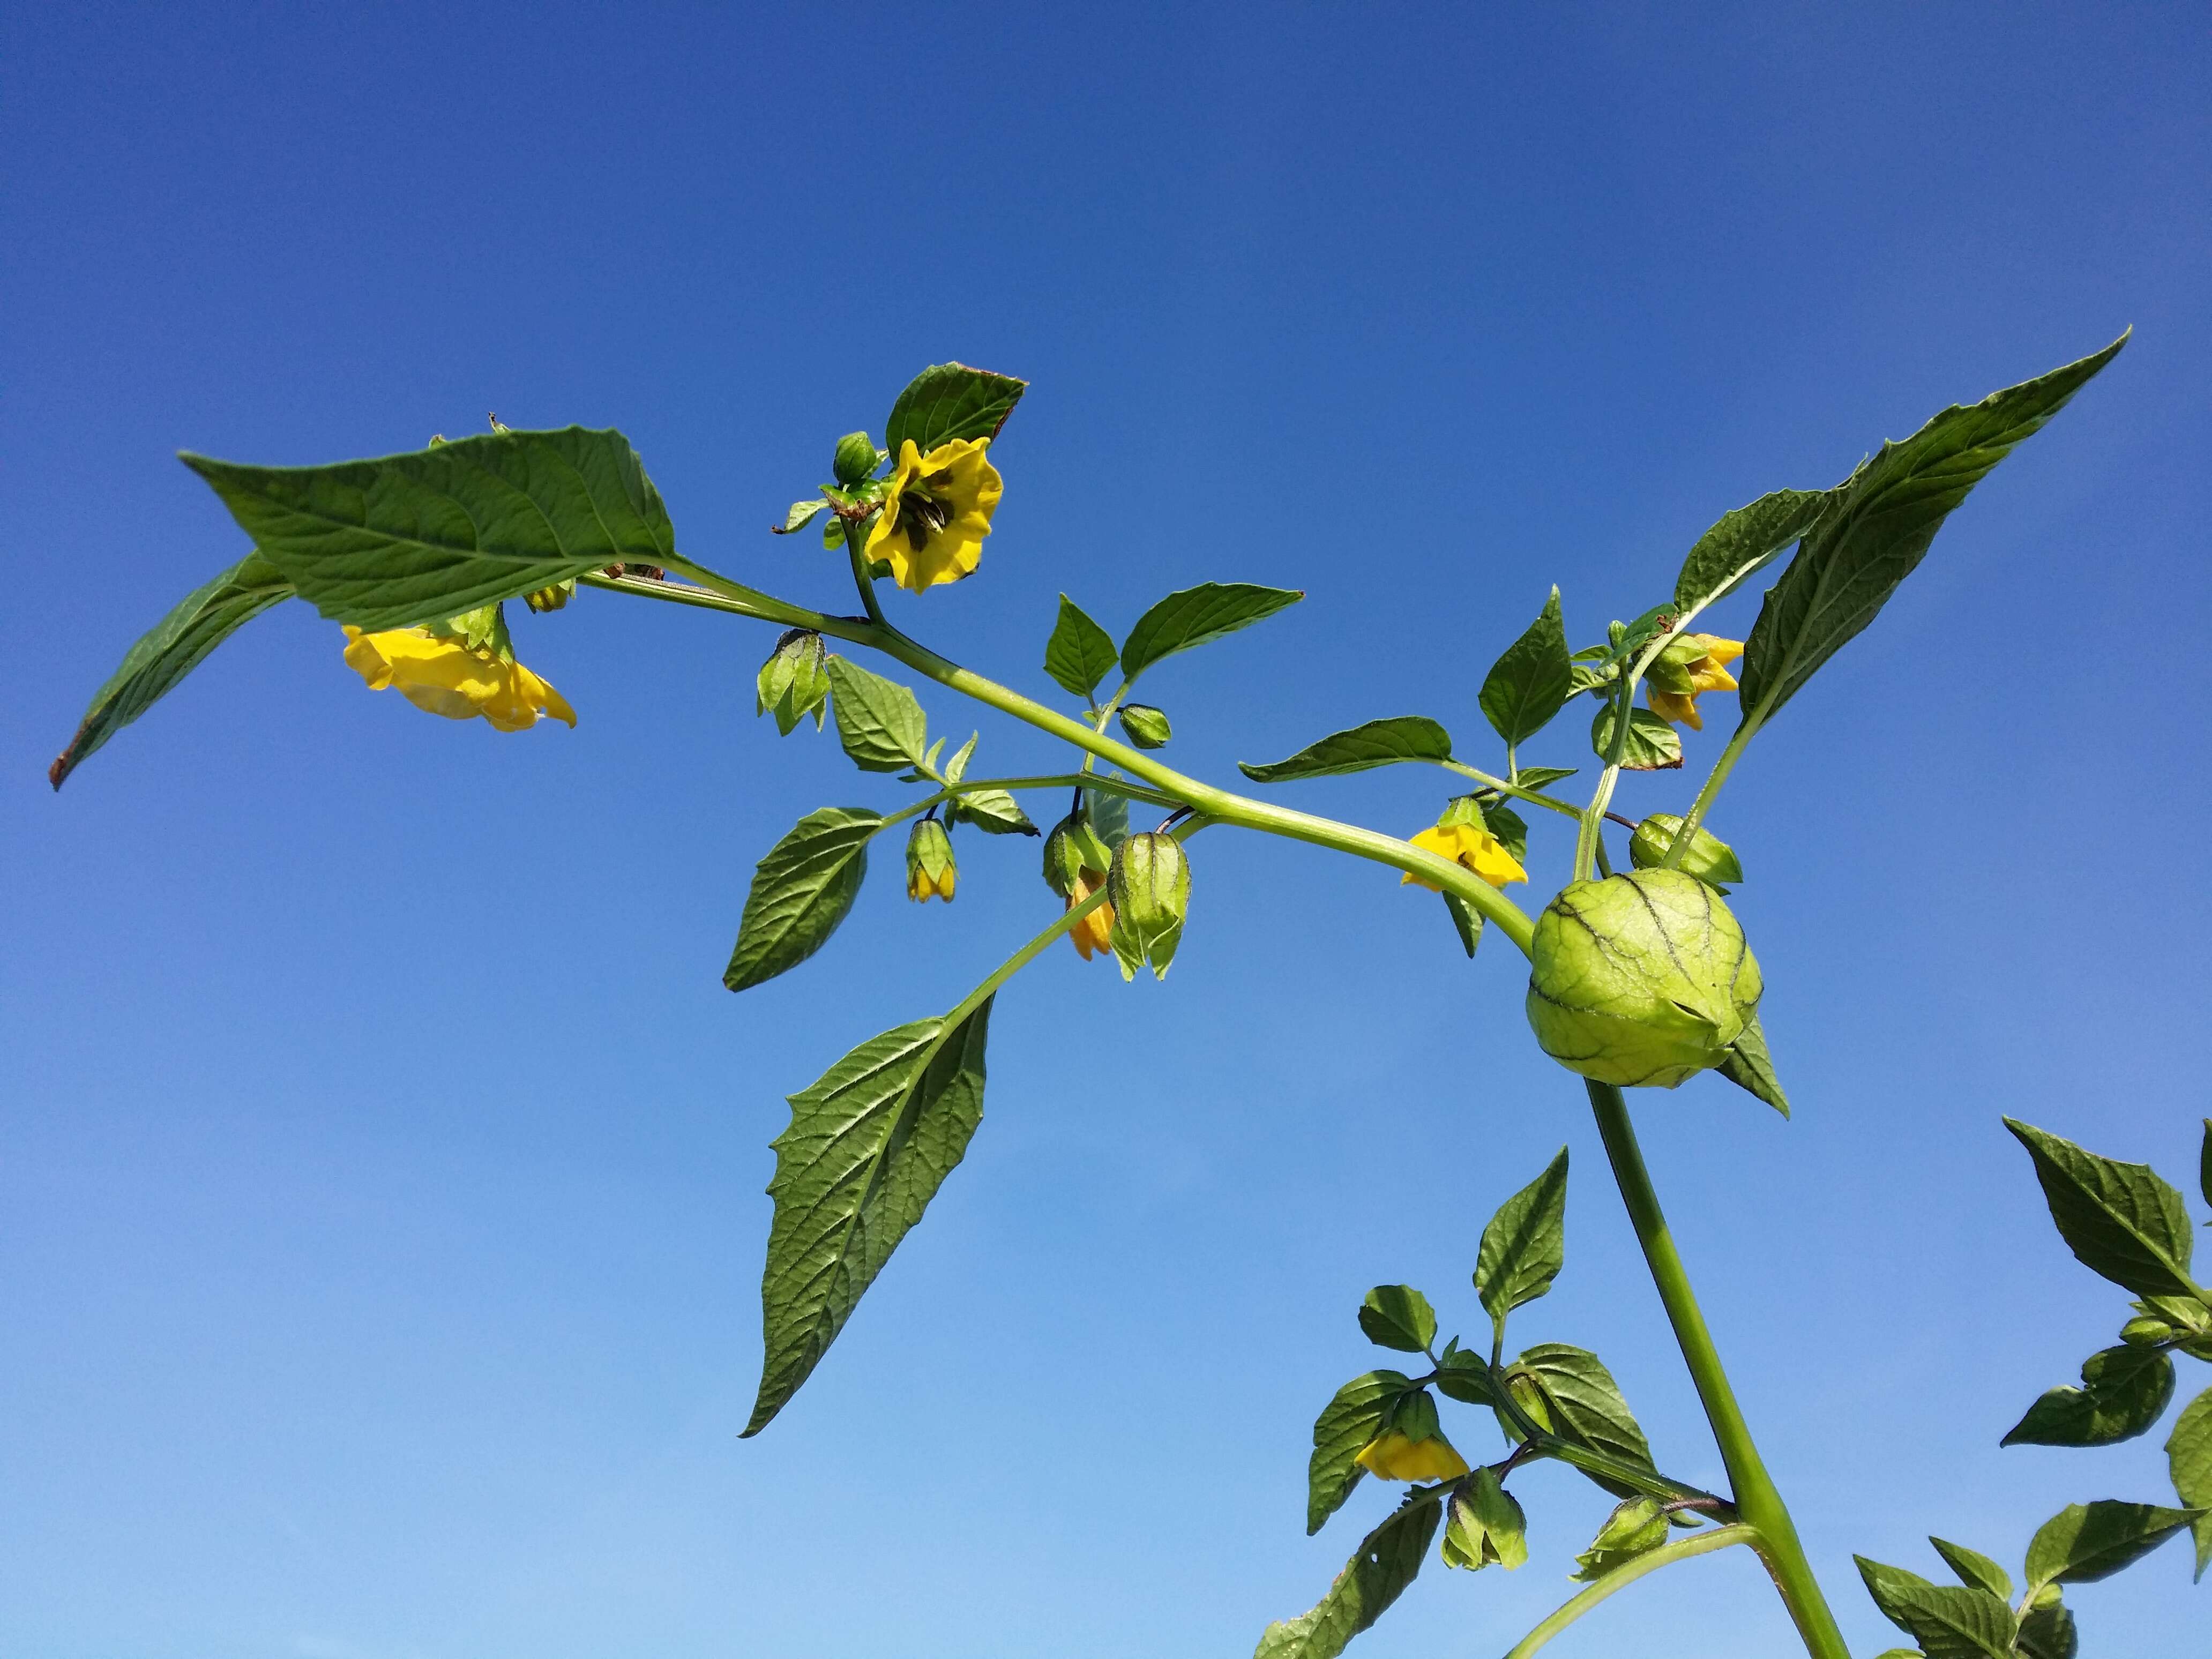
(1756, 1498)
(1626, 1574)
(861, 578)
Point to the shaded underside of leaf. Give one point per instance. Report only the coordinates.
(802, 890)
(1388, 1558)
(1197, 616)
(1344, 1427)
(1377, 743)
(950, 401)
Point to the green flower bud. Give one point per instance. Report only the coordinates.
(930, 870)
(1707, 857)
(551, 599)
(1484, 1525)
(1073, 847)
(857, 457)
(1642, 979)
(1149, 887)
(1635, 1527)
(795, 680)
(1146, 727)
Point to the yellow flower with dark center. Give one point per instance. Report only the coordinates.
(937, 510)
(443, 675)
(1094, 932)
(1472, 847)
(1393, 1456)
(1707, 671)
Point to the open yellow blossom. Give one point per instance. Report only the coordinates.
(1393, 1457)
(440, 673)
(1094, 932)
(1708, 672)
(1476, 848)
(937, 510)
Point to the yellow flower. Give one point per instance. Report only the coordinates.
(439, 672)
(1478, 849)
(1393, 1457)
(1095, 932)
(937, 510)
(1708, 672)
(930, 869)
(919, 886)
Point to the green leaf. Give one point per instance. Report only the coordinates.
(949, 401)
(866, 1149)
(170, 649)
(1901, 1653)
(1637, 1526)
(1742, 545)
(1388, 1560)
(1398, 1316)
(1749, 1065)
(1525, 1245)
(995, 812)
(1198, 616)
(1974, 1568)
(1378, 743)
(1342, 1430)
(1580, 1401)
(1509, 827)
(1652, 744)
(1878, 525)
(1109, 814)
(1467, 921)
(879, 721)
(801, 515)
(2047, 1632)
(802, 890)
(1532, 681)
(421, 536)
(1466, 1377)
(2084, 1542)
(2204, 1164)
(2124, 1391)
(2189, 1456)
(1080, 653)
(1949, 1624)
(2119, 1219)
(1537, 777)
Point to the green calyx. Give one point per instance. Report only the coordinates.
(1484, 1525)
(794, 681)
(1144, 726)
(1707, 857)
(1643, 978)
(1073, 847)
(1149, 887)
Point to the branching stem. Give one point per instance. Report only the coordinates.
(1628, 1572)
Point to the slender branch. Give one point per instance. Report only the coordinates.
(1622, 1576)
(1534, 797)
(1714, 779)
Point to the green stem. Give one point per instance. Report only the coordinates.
(1531, 796)
(1621, 1577)
(1714, 779)
(1756, 1498)
(861, 578)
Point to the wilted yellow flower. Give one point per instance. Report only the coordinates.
(1393, 1457)
(937, 510)
(1708, 672)
(1095, 932)
(440, 673)
(1475, 848)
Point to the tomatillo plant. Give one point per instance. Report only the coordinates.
(1640, 977)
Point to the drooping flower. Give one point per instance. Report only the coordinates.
(1705, 671)
(937, 509)
(1094, 932)
(1394, 1456)
(930, 869)
(1472, 846)
(443, 674)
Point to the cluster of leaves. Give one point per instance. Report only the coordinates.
(1551, 1401)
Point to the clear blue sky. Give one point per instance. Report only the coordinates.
(381, 1159)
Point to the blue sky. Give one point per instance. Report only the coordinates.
(381, 1159)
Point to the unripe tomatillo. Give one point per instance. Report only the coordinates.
(1149, 887)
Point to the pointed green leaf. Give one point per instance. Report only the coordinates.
(1743, 544)
(1878, 525)
(1652, 745)
(1581, 1401)
(1466, 1377)
(420, 537)
(1532, 681)
(2084, 1542)
(2124, 1391)
(2046, 1631)
(866, 1149)
(801, 515)
(1466, 919)
(1974, 1568)
(949, 401)
(1398, 1316)
(1198, 616)
(1637, 1526)
(170, 649)
(2119, 1219)
(1378, 743)
(995, 812)
(1080, 653)
(1749, 1065)
(1947, 1623)
(2189, 1457)
(802, 890)
(1388, 1560)
(879, 721)
(1341, 1433)
(1525, 1245)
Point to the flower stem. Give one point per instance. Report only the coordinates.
(1714, 779)
(1626, 1574)
(861, 578)
(1756, 1498)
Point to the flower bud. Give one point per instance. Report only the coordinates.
(857, 457)
(1707, 857)
(1073, 847)
(1642, 979)
(551, 599)
(795, 680)
(1149, 887)
(1485, 1525)
(1146, 727)
(930, 870)
(1637, 1526)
